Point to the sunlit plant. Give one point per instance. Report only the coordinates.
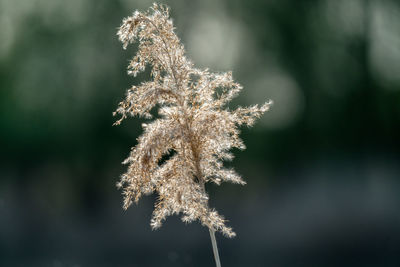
(186, 146)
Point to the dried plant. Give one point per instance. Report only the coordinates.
(185, 147)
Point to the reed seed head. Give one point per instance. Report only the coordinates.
(186, 146)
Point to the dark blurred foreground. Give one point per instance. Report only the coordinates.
(322, 166)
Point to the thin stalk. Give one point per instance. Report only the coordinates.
(215, 248)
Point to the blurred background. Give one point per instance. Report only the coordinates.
(322, 166)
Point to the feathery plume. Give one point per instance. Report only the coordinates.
(195, 127)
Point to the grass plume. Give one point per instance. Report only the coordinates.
(195, 123)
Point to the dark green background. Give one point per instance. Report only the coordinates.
(322, 166)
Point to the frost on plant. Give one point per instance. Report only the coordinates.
(195, 127)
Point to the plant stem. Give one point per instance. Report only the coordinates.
(215, 248)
